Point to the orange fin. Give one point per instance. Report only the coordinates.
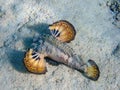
(35, 62)
(63, 30)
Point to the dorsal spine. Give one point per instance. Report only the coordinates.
(62, 46)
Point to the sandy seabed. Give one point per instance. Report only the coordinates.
(97, 38)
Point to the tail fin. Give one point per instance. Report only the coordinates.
(92, 71)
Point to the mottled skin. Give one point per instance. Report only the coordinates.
(51, 48)
(56, 48)
(60, 55)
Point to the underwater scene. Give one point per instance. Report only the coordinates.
(59, 44)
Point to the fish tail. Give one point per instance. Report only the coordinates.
(91, 70)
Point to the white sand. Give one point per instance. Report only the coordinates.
(97, 38)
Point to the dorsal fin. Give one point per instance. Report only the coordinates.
(62, 46)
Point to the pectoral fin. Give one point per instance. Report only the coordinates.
(35, 62)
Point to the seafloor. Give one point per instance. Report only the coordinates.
(97, 38)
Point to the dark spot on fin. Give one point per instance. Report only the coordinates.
(58, 34)
(34, 56)
(54, 31)
(33, 53)
(38, 58)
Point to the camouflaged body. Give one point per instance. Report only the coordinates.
(48, 46)
(60, 52)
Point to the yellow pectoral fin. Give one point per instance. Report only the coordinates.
(65, 30)
(42, 66)
(35, 62)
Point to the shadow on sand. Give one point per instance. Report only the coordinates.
(41, 28)
(16, 60)
(16, 57)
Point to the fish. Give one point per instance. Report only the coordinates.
(48, 46)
